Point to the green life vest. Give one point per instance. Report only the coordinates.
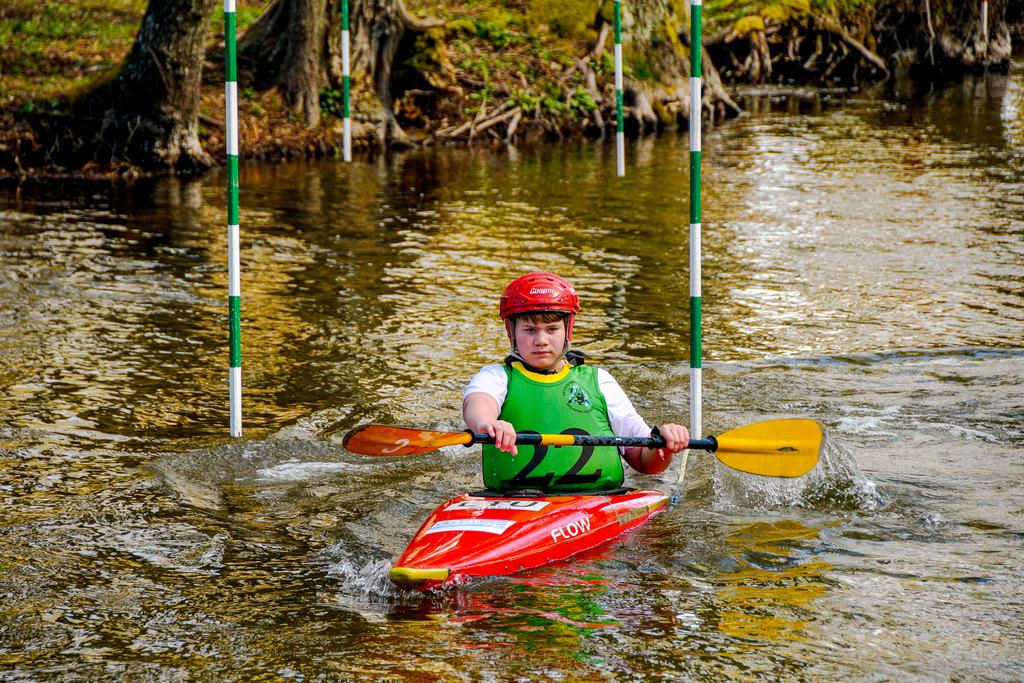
(567, 402)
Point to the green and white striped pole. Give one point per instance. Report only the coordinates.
(620, 135)
(696, 45)
(345, 83)
(234, 282)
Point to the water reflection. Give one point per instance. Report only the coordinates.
(769, 597)
(824, 233)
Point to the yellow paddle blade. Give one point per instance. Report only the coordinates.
(385, 440)
(774, 448)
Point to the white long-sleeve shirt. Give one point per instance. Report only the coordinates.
(624, 420)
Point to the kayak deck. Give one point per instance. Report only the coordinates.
(491, 534)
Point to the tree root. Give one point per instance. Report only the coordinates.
(806, 49)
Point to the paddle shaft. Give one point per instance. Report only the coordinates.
(773, 448)
(709, 444)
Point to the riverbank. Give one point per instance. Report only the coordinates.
(485, 73)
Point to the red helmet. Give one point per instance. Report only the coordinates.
(539, 293)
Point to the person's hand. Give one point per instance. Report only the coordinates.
(504, 435)
(657, 460)
(677, 437)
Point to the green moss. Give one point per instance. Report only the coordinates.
(666, 117)
(729, 11)
(492, 31)
(427, 51)
(582, 100)
(749, 24)
(776, 13)
(800, 6)
(639, 67)
(476, 66)
(554, 104)
(846, 7)
(671, 30)
(462, 25)
(605, 64)
(527, 100)
(567, 18)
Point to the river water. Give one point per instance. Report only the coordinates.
(863, 266)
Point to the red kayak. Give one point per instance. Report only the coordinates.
(484, 534)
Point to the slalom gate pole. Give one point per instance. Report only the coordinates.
(620, 135)
(984, 21)
(234, 282)
(696, 107)
(346, 84)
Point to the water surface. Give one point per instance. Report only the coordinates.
(863, 266)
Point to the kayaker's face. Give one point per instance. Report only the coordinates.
(540, 343)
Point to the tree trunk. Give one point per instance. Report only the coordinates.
(286, 48)
(656, 45)
(304, 72)
(295, 45)
(147, 114)
(378, 27)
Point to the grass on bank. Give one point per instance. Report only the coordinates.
(56, 47)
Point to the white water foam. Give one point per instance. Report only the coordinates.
(294, 470)
(367, 577)
(835, 483)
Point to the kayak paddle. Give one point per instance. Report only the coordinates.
(774, 448)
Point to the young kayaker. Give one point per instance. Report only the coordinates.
(544, 387)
